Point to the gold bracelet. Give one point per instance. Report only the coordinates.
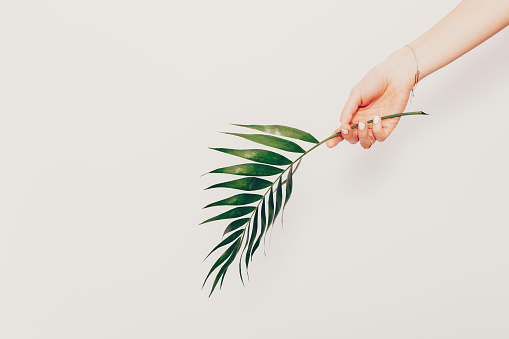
(416, 74)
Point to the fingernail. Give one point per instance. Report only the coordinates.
(344, 131)
(362, 126)
(376, 119)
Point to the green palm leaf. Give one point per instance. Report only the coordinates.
(270, 204)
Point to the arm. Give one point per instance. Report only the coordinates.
(471, 23)
(385, 89)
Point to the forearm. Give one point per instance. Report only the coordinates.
(465, 27)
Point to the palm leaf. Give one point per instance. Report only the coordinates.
(270, 204)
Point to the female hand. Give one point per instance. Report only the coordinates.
(384, 90)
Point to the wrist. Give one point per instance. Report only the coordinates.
(402, 63)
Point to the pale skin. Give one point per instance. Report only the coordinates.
(386, 88)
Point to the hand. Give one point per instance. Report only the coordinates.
(384, 90)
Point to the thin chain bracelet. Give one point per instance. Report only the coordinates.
(416, 74)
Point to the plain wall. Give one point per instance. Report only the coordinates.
(106, 112)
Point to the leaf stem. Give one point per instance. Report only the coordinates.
(323, 141)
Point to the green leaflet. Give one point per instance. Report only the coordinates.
(236, 224)
(257, 155)
(226, 241)
(294, 170)
(233, 213)
(222, 271)
(284, 131)
(271, 141)
(262, 227)
(279, 198)
(239, 199)
(247, 235)
(270, 208)
(250, 170)
(252, 238)
(244, 184)
(289, 187)
(223, 258)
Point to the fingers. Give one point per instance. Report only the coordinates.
(379, 133)
(334, 141)
(366, 140)
(346, 133)
(351, 106)
(349, 134)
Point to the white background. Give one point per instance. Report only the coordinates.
(106, 112)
